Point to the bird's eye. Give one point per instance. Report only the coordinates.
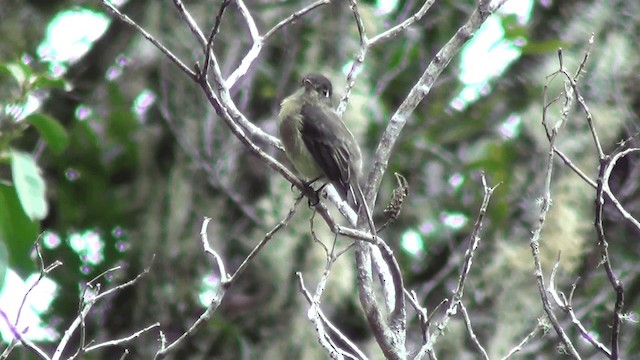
(325, 92)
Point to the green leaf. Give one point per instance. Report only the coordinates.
(29, 185)
(51, 131)
(17, 231)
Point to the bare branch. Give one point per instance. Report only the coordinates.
(258, 41)
(293, 17)
(456, 299)
(347, 348)
(606, 166)
(262, 243)
(207, 249)
(124, 340)
(535, 244)
(421, 311)
(472, 335)
(87, 300)
(44, 271)
(358, 60)
(415, 96)
(394, 31)
(524, 341)
(151, 39)
(225, 283)
(212, 35)
(611, 163)
(566, 305)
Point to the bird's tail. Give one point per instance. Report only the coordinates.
(358, 196)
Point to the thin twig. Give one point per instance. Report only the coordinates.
(124, 340)
(259, 41)
(268, 236)
(358, 60)
(394, 31)
(293, 17)
(535, 245)
(151, 39)
(472, 335)
(474, 241)
(566, 305)
(606, 167)
(347, 349)
(86, 305)
(212, 35)
(524, 341)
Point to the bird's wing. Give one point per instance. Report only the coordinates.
(321, 130)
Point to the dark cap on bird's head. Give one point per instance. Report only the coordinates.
(318, 83)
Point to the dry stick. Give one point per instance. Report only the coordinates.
(535, 248)
(124, 354)
(472, 335)
(151, 39)
(456, 299)
(226, 281)
(570, 93)
(358, 59)
(612, 162)
(84, 310)
(262, 243)
(606, 167)
(366, 43)
(43, 272)
(213, 306)
(315, 313)
(391, 337)
(123, 340)
(417, 94)
(394, 31)
(524, 341)
(13, 327)
(330, 259)
(421, 311)
(95, 287)
(321, 322)
(14, 342)
(212, 35)
(583, 105)
(625, 214)
(567, 307)
(259, 41)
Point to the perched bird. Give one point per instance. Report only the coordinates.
(318, 142)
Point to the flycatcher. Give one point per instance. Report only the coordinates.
(318, 143)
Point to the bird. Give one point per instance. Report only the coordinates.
(318, 143)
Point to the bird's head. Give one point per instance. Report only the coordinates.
(318, 86)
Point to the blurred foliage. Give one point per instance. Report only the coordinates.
(91, 161)
(23, 187)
